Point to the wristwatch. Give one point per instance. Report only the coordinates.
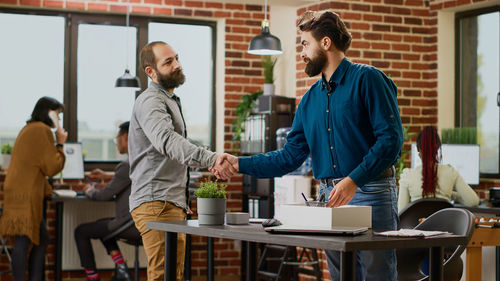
(59, 145)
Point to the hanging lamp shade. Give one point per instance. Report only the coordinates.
(127, 80)
(265, 43)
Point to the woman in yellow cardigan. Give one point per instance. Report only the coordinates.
(35, 157)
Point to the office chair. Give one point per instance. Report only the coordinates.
(409, 217)
(453, 220)
(133, 238)
(4, 248)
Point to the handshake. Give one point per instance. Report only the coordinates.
(226, 165)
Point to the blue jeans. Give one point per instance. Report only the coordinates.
(371, 265)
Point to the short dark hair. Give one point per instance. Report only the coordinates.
(147, 55)
(41, 110)
(326, 23)
(124, 127)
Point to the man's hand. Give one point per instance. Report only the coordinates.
(87, 187)
(97, 175)
(342, 193)
(226, 165)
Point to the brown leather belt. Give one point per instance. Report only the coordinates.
(389, 172)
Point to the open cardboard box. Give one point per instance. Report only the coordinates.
(348, 215)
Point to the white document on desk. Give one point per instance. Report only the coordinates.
(411, 233)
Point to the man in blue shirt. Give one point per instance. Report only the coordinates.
(349, 121)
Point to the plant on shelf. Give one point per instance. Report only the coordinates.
(268, 63)
(211, 202)
(400, 164)
(243, 110)
(459, 135)
(6, 151)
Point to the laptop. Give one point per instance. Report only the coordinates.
(335, 230)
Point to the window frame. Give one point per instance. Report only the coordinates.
(72, 20)
(458, 66)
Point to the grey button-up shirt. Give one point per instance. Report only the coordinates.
(159, 152)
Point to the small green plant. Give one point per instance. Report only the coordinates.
(400, 164)
(6, 148)
(268, 63)
(459, 135)
(211, 189)
(242, 111)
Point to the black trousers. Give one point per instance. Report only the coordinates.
(37, 256)
(96, 230)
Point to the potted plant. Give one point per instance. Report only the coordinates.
(243, 110)
(268, 63)
(6, 151)
(211, 202)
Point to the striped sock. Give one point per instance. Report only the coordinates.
(92, 275)
(118, 258)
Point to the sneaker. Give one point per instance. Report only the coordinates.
(121, 273)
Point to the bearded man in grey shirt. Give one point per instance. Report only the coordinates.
(160, 154)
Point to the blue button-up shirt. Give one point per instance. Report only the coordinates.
(352, 129)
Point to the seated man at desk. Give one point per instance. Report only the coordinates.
(433, 179)
(118, 189)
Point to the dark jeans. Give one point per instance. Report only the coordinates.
(97, 230)
(36, 260)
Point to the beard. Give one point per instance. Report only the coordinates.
(171, 80)
(315, 65)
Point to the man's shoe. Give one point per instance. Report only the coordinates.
(121, 273)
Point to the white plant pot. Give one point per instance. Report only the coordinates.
(268, 89)
(5, 161)
(211, 210)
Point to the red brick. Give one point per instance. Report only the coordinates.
(372, 36)
(415, 21)
(421, 30)
(411, 74)
(196, 4)
(401, 29)
(254, 8)
(368, 17)
(392, 19)
(162, 11)
(396, 2)
(360, 26)
(424, 48)
(425, 120)
(203, 13)
(401, 65)
(392, 37)
(429, 111)
(75, 5)
(219, 14)
(253, 23)
(183, 12)
(424, 84)
(403, 101)
(400, 47)
(411, 111)
(424, 102)
(339, 6)
(31, 2)
(213, 5)
(430, 39)
(230, 6)
(430, 93)
(412, 39)
(414, 57)
(9, 2)
(325, 6)
(381, 64)
(173, 2)
(141, 9)
(60, 4)
(392, 56)
(350, 16)
(381, 9)
(241, 63)
(353, 53)
(415, 3)
(241, 15)
(450, 4)
(380, 27)
(360, 7)
(380, 46)
(401, 11)
(437, 6)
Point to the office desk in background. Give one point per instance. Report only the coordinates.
(72, 211)
(347, 245)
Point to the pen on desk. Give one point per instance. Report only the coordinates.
(303, 196)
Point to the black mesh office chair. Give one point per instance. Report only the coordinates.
(133, 238)
(409, 217)
(453, 220)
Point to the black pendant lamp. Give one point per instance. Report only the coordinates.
(265, 43)
(127, 80)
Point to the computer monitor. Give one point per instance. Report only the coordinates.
(463, 157)
(73, 167)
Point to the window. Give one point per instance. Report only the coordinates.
(477, 85)
(77, 57)
(32, 66)
(102, 108)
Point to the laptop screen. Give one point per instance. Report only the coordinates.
(336, 230)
